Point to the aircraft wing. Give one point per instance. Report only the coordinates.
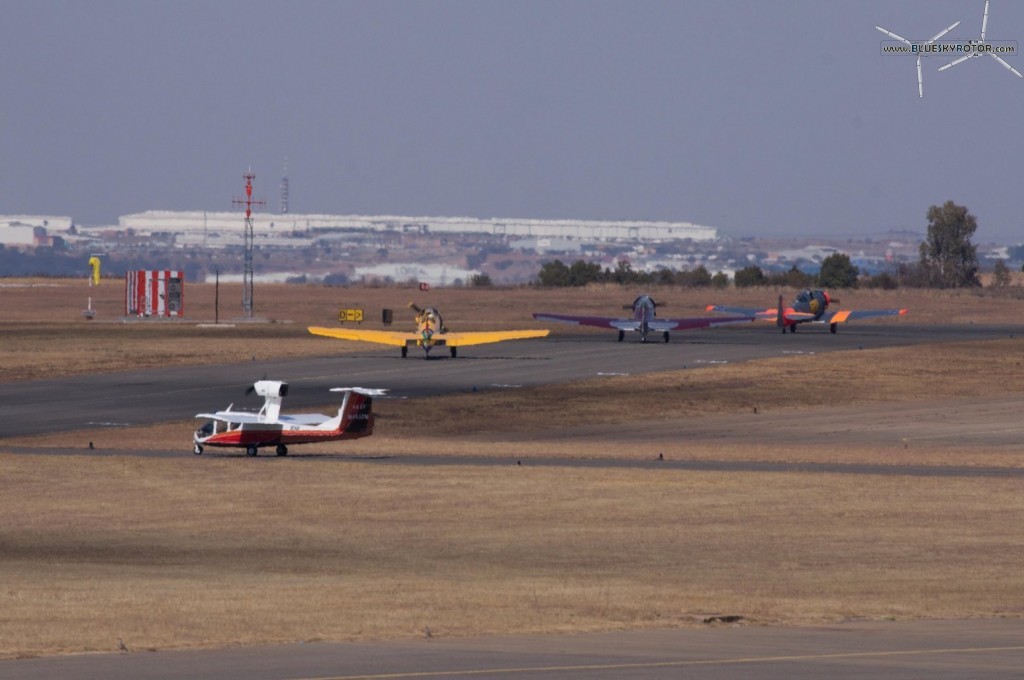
(634, 325)
(697, 322)
(233, 417)
(844, 315)
(381, 337)
(485, 337)
(304, 419)
(449, 339)
(758, 312)
(597, 321)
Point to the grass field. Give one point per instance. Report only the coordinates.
(170, 553)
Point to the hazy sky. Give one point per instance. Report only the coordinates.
(755, 117)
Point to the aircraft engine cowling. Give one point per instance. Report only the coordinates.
(815, 301)
(271, 388)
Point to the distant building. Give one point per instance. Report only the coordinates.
(434, 274)
(200, 222)
(32, 230)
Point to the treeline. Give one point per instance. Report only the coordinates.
(836, 272)
(948, 260)
(580, 273)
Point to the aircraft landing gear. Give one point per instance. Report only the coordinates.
(666, 336)
(405, 351)
(832, 328)
(792, 329)
(453, 352)
(622, 334)
(251, 450)
(282, 450)
(197, 449)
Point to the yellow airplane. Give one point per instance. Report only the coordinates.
(430, 332)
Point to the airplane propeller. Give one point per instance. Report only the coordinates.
(252, 386)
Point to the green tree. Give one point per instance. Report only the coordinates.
(581, 273)
(1000, 274)
(749, 276)
(553, 274)
(665, 277)
(557, 275)
(883, 280)
(838, 272)
(479, 281)
(720, 280)
(794, 278)
(948, 257)
(700, 277)
(624, 273)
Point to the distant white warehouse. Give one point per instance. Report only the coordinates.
(200, 222)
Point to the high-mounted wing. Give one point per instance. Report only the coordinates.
(233, 417)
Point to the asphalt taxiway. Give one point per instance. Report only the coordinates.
(938, 650)
(128, 398)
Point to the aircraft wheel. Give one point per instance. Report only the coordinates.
(666, 336)
(792, 329)
(453, 352)
(197, 449)
(833, 327)
(251, 450)
(405, 352)
(282, 450)
(622, 334)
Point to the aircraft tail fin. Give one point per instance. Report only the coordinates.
(355, 416)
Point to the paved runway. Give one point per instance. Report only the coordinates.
(143, 397)
(937, 650)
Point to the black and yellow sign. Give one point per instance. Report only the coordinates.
(353, 315)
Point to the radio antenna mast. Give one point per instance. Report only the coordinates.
(247, 275)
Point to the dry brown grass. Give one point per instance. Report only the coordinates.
(178, 553)
(212, 551)
(45, 335)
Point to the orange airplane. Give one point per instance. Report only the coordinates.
(810, 306)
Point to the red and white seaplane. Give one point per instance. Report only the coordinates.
(268, 427)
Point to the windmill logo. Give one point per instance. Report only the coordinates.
(980, 48)
(963, 50)
(914, 47)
